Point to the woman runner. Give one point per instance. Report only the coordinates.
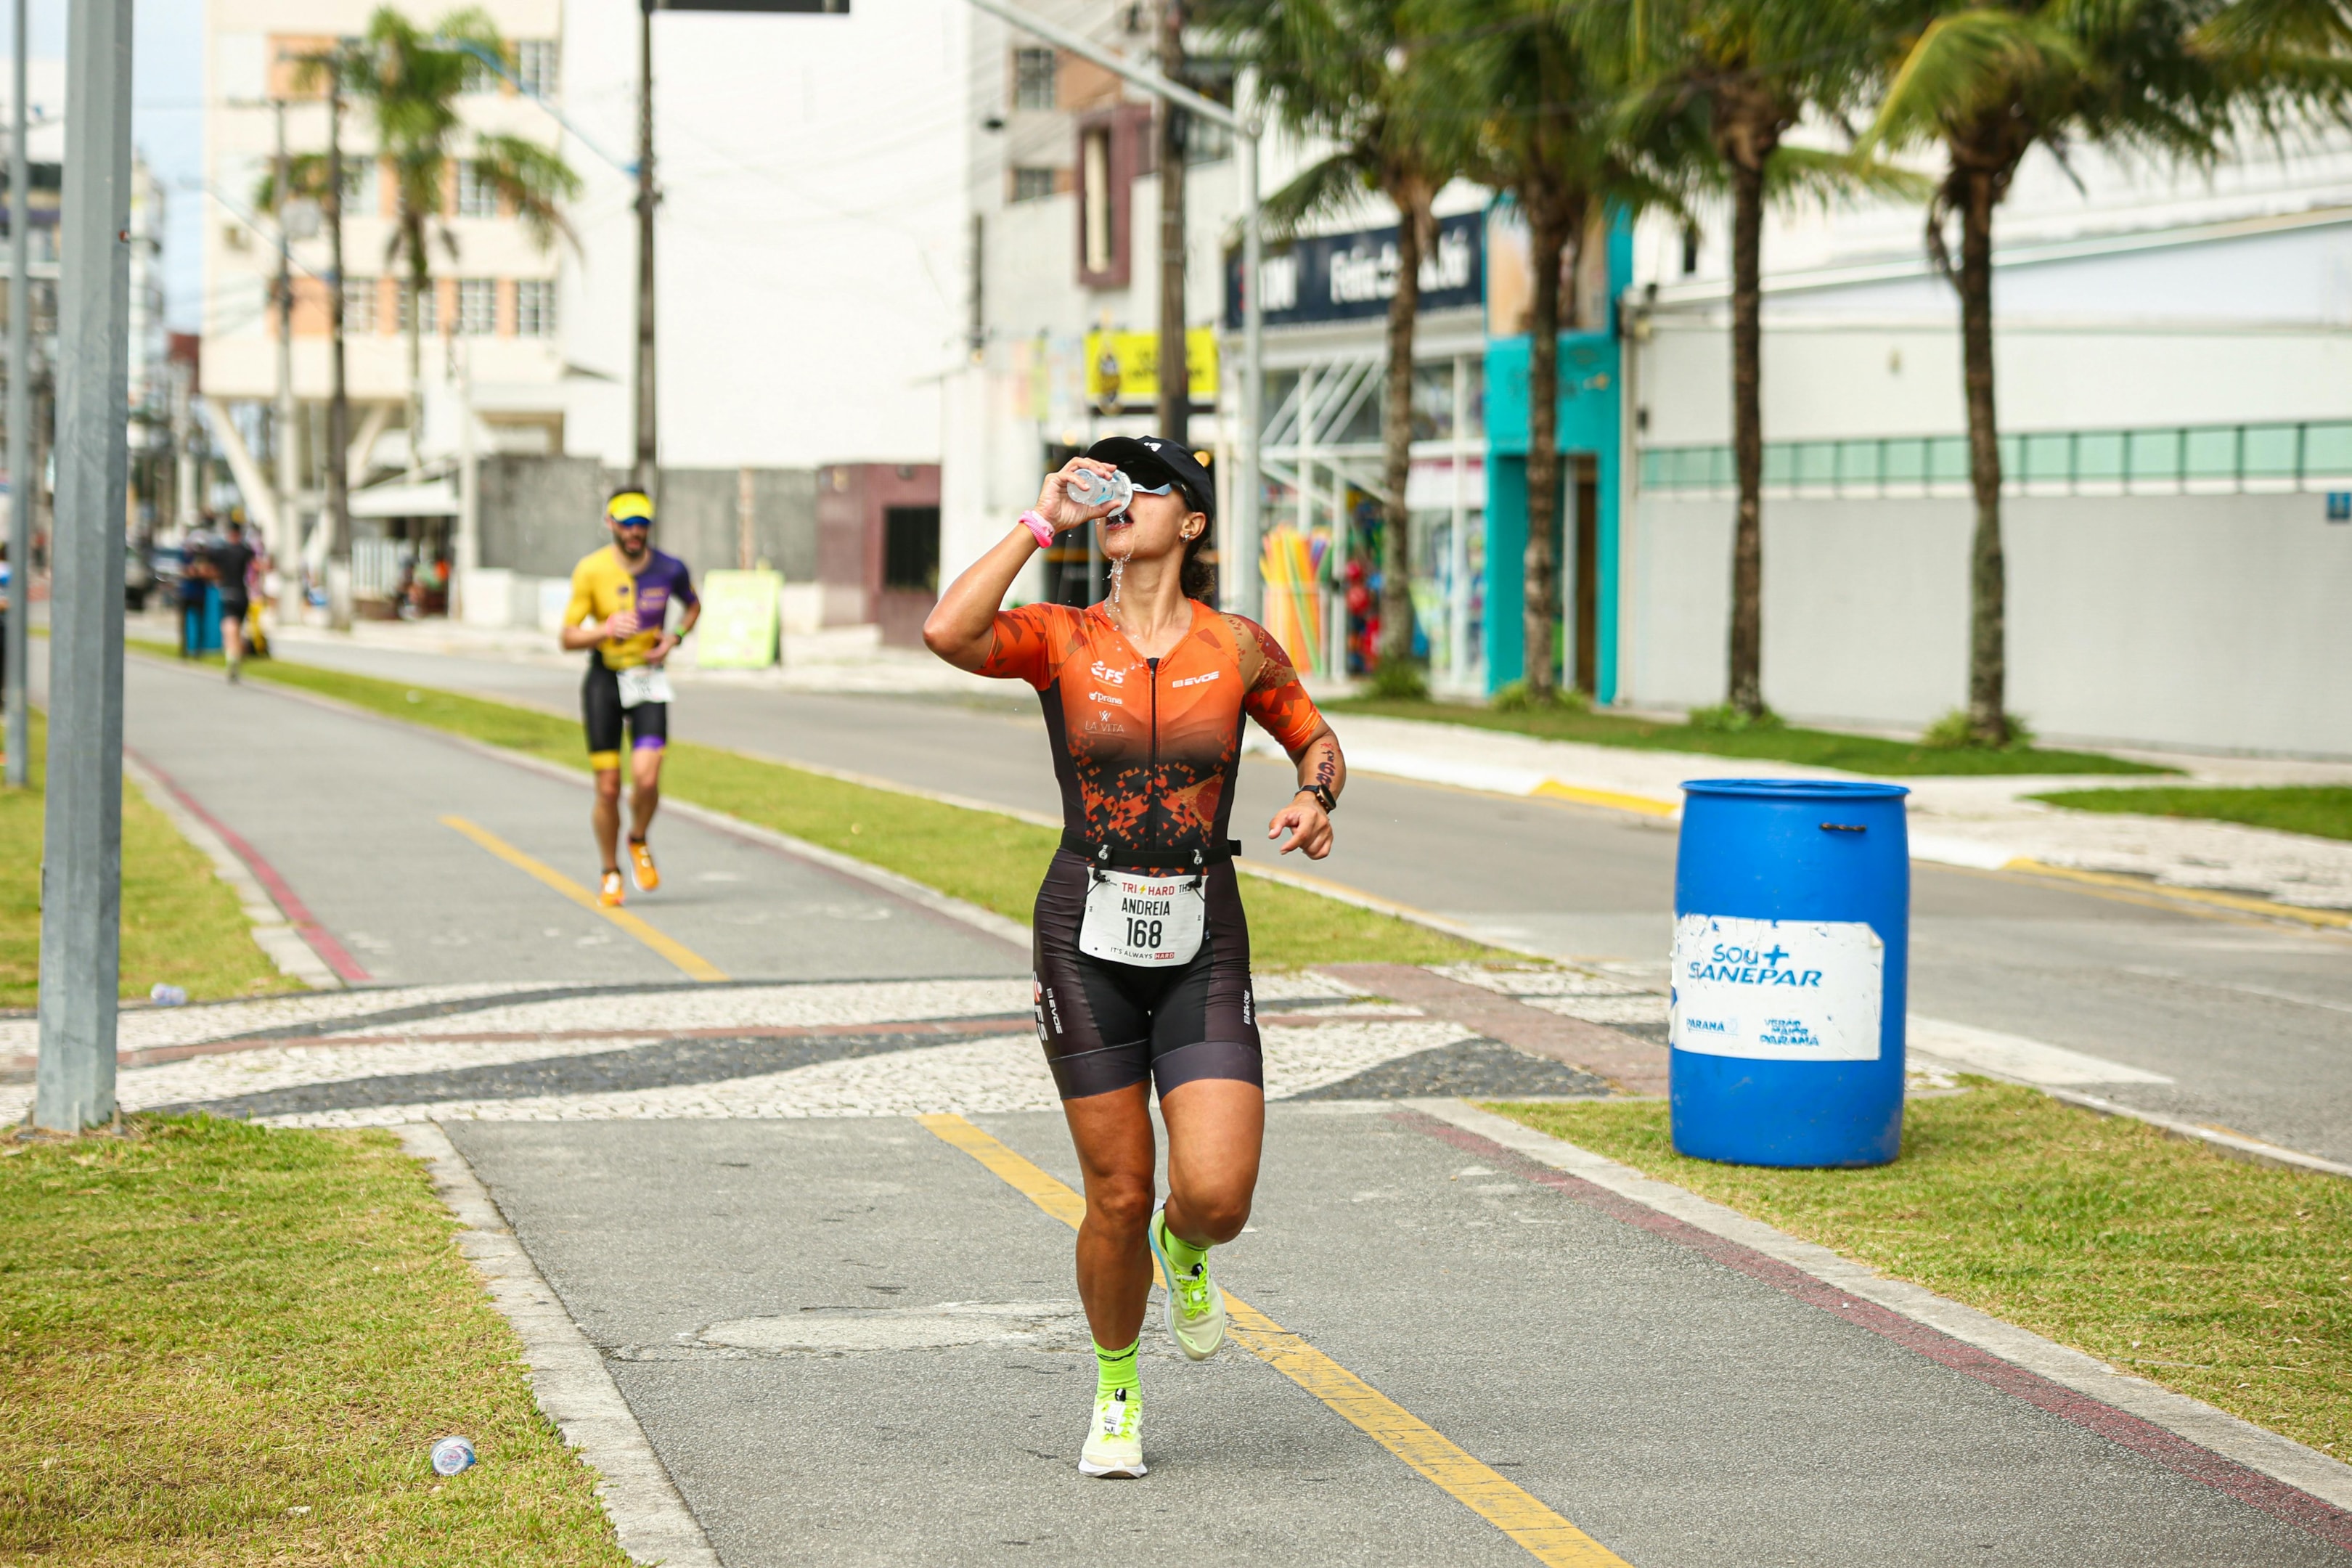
(1143, 949)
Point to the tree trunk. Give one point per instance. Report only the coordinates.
(1175, 376)
(1987, 577)
(1747, 685)
(419, 279)
(339, 404)
(644, 472)
(1396, 437)
(1549, 227)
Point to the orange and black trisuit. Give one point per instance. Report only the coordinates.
(1147, 751)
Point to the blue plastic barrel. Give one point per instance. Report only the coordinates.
(1792, 911)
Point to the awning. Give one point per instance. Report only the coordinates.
(411, 498)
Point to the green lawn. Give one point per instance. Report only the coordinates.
(180, 921)
(986, 858)
(2228, 1281)
(1813, 748)
(225, 1344)
(2323, 810)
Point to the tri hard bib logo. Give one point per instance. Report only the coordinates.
(1778, 989)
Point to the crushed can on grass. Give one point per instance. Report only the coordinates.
(451, 1455)
(1792, 908)
(165, 995)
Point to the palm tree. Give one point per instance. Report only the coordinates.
(410, 81)
(2175, 78)
(1746, 72)
(1548, 137)
(1358, 74)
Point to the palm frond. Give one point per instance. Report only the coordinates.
(532, 179)
(1324, 189)
(1818, 175)
(1964, 65)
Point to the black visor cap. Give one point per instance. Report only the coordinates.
(1149, 460)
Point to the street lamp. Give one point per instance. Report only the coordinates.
(1250, 488)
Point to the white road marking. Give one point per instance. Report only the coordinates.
(2015, 1056)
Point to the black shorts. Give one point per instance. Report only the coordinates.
(234, 609)
(601, 710)
(1107, 1026)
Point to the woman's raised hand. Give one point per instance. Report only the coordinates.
(1054, 504)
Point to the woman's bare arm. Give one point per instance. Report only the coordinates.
(962, 627)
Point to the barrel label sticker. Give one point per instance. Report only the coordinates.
(1787, 991)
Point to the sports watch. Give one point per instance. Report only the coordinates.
(1323, 796)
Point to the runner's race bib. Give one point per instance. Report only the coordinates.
(1149, 922)
(646, 683)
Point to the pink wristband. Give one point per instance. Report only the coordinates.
(1039, 527)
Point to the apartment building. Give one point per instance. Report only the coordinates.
(491, 311)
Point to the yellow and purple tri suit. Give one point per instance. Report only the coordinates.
(602, 588)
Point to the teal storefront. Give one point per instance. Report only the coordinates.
(1586, 520)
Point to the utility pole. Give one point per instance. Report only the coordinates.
(642, 474)
(1175, 374)
(290, 473)
(81, 871)
(20, 429)
(339, 404)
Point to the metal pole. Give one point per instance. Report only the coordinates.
(1251, 598)
(82, 873)
(20, 431)
(338, 403)
(1175, 372)
(642, 474)
(1247, 595)
(290, 473)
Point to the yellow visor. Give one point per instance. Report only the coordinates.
(623, 508)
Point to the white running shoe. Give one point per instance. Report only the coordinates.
(1196, 1308)
(1114, 1449)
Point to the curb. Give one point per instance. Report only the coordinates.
(568, 1377)
(2289, 1463)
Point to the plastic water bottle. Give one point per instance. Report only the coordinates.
(451, 1455)
(165, 995)
(1089, 489)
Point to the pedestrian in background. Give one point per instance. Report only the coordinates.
(232, 568)
(195, 575)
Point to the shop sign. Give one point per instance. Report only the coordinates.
(1123, 368)
(1347, 277)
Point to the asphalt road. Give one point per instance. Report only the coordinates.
(850, 1343)
(2252, 1019)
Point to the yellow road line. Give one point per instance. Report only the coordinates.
(1503, 1503)
(695, 965)
(1552, 789)
(2337, 919)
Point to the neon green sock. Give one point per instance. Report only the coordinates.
(1115, 1370)
(1181, 1252)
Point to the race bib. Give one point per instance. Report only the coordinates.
(646, 683)
(1150, 921)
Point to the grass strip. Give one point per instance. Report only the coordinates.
(1789, 744)
(983, 857)
(2324, 811)
(2228, 1281)
(181, 924)
(224, 1343)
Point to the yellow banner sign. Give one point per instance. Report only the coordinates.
(1125, 366)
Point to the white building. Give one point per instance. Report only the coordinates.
(2174, 375)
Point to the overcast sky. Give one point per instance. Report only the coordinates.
(167, 121)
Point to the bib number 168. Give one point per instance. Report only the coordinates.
(1142, 933)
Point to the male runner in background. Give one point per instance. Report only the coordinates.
(232, 563)
(620, 599)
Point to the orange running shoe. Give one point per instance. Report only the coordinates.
(641, 867)
(611, 896)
